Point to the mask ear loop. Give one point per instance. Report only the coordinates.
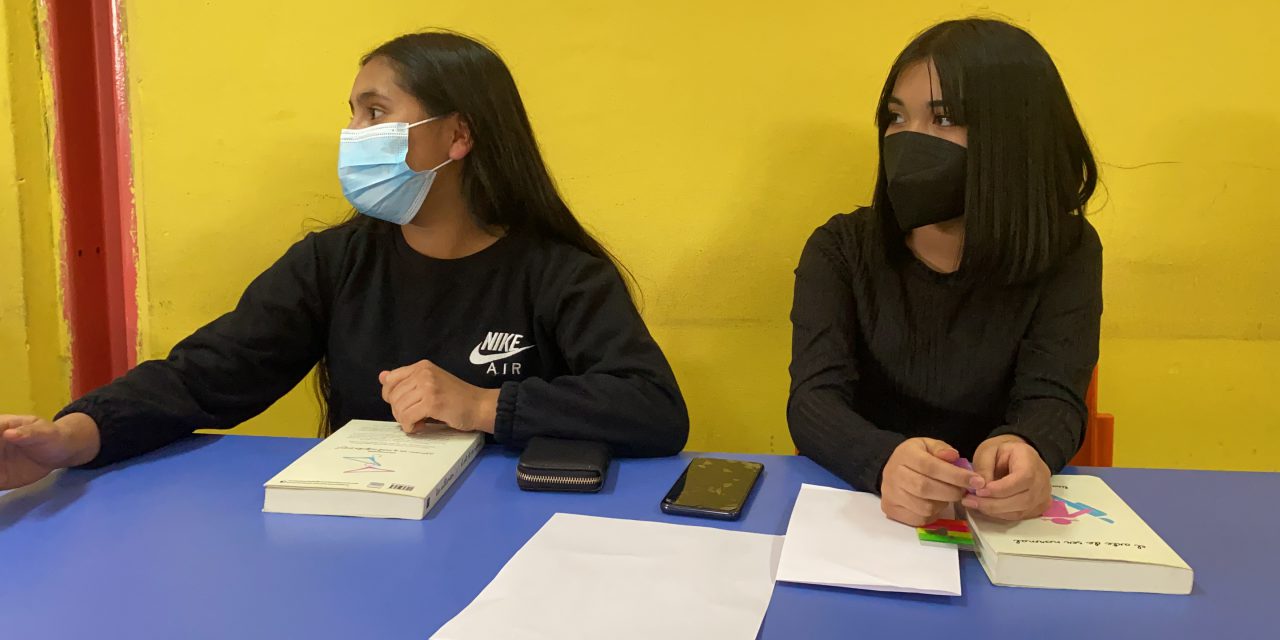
(447, 160)
(424, 121)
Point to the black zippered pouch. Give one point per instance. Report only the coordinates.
(552, 464)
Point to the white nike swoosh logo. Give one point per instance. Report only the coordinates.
(479, 358)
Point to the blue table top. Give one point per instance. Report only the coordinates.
(174, 545)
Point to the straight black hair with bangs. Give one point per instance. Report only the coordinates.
(1030, 170)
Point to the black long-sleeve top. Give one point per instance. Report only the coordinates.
(551, 326)
(885, 349)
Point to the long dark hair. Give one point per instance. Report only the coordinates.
(1030, 170)
(504, 179)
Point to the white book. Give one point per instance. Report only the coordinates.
(374, 470)
(1089, 539)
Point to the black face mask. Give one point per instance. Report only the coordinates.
(926, 177)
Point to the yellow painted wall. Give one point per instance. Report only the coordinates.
(704, 141)
(34, 377)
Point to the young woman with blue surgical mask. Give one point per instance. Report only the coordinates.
(463, 291)
(959, 314)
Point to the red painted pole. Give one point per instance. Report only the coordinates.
(91, 150)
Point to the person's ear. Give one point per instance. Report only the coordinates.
(462, 141)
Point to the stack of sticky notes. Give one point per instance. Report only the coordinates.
(946, 531)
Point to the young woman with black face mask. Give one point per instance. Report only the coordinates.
(959, 314)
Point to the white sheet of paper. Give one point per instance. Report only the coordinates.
(841, 538)
(588, 577)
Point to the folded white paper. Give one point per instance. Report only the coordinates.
(841, 539)
(587, 577)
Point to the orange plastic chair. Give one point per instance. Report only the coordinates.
(1099, 433)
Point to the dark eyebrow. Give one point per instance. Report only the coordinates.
(933, 104)
(370, 94)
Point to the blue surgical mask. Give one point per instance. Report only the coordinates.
(375, 177)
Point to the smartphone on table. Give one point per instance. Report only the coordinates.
(713, 488)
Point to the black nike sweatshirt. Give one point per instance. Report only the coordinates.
(550, 325)
(885, 349)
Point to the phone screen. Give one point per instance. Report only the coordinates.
(713, 484)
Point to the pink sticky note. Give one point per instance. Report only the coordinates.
(963, 463)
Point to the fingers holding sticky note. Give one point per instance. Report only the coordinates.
(963, 463)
